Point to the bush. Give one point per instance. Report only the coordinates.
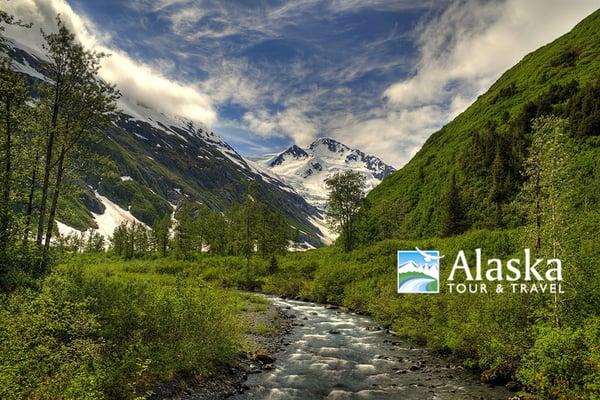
(564, 363)
(50, 345)
(99, 333)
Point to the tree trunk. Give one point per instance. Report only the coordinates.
(5, 218)
(48, 164)
(29, 211)
(51, 216)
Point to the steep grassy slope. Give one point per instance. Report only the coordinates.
(485, 145)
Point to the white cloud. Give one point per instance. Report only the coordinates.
(470, 44)
(291, 122)
(138, 81)
(462, 52)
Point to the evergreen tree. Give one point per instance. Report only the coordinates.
(453, 218)
(161, 232)
(546, 195)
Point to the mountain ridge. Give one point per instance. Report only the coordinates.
(166, 160)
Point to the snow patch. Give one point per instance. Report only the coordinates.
(66, 230)
(327, 235)
(112, 217)
(303, 246)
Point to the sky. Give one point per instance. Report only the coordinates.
(378, 75)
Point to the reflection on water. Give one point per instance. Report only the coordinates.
(333, 355)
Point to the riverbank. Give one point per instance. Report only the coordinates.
(267, 330)
(100, 328)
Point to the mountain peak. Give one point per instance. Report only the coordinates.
(331, 144)
(293, 152)
(305, 169)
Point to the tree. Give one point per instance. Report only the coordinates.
(346, 194)
(453, 217)
(217, 233)
(161, 232)
(13, 97)
(95, 242)
(273, 232)
(130, 240)
(76, 105)
(545, 196)
(243, 228)
(190, 229)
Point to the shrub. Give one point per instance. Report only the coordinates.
(564, 363)
(50, 346)
(100, 333)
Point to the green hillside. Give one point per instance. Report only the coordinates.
(484, 147)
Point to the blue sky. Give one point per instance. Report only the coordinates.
(322, 59)
(379, 75)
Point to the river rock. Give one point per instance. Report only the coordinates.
(334, 332)
(373, 328)
(262, 358)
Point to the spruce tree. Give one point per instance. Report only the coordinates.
(453, 217)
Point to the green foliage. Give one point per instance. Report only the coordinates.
(130, 240)
(346, 193)
(453, 214)
(564, 363)
(100, 331)
(50, 345)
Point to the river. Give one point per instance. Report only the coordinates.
(337, 355)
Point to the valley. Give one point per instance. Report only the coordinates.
(143, 256)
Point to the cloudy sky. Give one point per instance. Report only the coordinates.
(380, 75)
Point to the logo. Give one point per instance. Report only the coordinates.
(419, 271)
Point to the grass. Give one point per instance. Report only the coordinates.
(101, 328)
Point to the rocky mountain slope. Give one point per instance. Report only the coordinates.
(156, 161)
(305, 169)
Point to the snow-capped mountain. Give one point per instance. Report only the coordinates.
(160, 160)
(411, 266)
(305, 169)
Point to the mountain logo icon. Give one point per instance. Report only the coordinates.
(419, 271)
